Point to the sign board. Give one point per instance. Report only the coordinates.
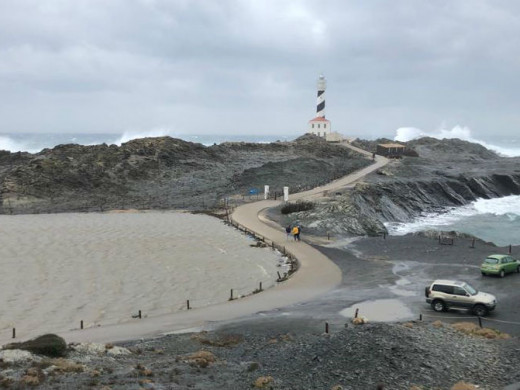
(286, 194)
(253, 191)
(266, 192)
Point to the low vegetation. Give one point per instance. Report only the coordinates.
(289, 208)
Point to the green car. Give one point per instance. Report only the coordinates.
(499, 265)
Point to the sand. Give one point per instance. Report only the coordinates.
(59, 269)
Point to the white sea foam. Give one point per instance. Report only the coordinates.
(491, 219)
(58, 269)
(405, 134)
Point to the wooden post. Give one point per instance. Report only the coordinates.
(81, 324)
(279, 277)
(473, 243)
(384, 236)
(260, 287)
(326, 327)
(328, 236)
(355, 315)
(510, 249)
(480, 321)
(140, 314)
(420, 317)
(188, 304)
(14, 333)
(231, 296)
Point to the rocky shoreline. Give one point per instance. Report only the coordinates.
(402, 356)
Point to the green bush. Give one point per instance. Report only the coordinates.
(289, 208)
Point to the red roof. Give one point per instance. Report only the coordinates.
(319, 119)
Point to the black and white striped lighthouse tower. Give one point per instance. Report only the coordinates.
(319, 125)
(320, 108)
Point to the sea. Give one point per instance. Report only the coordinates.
(494, 220)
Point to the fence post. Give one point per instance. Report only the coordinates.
(188, 304)
(140, 314)
(231, 296)
(326, 327)
(14, 333)
(81, 324)
(260, 287)
(510, 248)
(355, 315)
(480, 321)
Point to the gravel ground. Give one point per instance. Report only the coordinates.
(399, 356)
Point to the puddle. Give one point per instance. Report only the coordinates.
(381, 310)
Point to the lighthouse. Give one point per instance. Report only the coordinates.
(319, 125)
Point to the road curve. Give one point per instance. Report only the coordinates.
(317, 274)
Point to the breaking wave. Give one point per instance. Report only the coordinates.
(405, 134)
(496, 220)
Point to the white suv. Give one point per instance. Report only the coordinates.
(453, 294)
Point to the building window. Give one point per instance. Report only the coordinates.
(318, 125)
(324, 125)
(313, 125)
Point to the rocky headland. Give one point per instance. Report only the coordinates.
(437, 175)
(163, 173)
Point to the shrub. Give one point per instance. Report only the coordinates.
(289, 208)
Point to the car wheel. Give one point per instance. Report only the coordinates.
(438, 305)
(480, 310)
(502, 273)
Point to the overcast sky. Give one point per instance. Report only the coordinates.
(250, 67)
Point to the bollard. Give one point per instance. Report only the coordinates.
(260, 287)
(420, 317)
(231, 296)
(355, 315)
(14, 333)
(81, 324)
(326, 327)
(188, 304)
(473, 243)
(480, 321)
(139, 314)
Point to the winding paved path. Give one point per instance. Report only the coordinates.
(317, 274)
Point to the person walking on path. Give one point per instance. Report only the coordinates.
(295, 233)
(299, 232)
(288, 230)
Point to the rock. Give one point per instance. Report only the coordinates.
(48, 344)
(16, 356)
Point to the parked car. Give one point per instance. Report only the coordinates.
(499, 265)
(454, 294)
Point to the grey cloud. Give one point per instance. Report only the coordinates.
(250, 66)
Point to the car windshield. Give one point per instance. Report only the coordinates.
(470, 289)
(490, 260)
